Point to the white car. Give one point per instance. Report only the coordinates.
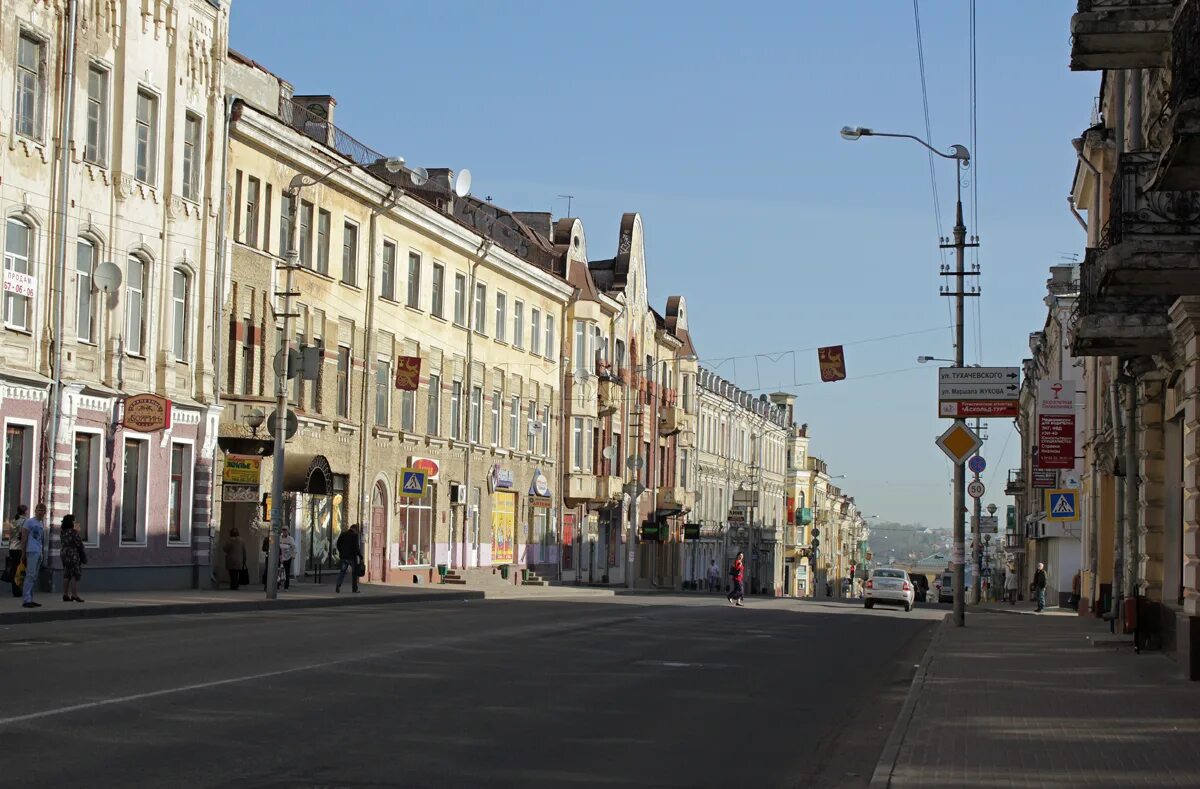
(889, 585)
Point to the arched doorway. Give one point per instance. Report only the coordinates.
(378, 541)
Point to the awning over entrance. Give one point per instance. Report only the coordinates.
(307, 474)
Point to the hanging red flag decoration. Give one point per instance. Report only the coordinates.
(833, 363)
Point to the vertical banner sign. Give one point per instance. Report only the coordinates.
(833, 363)
(408, 373)
(568, 541)
(1056, 424)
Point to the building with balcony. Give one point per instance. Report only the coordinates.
(1135, 321)
(113, 300)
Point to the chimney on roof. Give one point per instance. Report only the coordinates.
(539, 222)
(313, 115)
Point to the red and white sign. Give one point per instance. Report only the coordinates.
(430, 466)
(19, 284)
(1056, 424)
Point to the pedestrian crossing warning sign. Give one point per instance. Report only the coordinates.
(412, 482)
(1062, 505)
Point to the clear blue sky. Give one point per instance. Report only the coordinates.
(721, 128)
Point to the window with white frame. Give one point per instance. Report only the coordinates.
(193, 155)
(460, 300)
(18, 468)
(30, 95)
(324, 221)
(343, 381)
(476, 415)
(179, 523)
(408, 410)
(18, 274)
(535, 332)
(414, 280)
(95, 148)
(387, 275)
(306, 230)
(551, 353)
(480, 317)
(433, 410)
(350, 253)
(546, 431)
(85, 484)
(438, 296)
(501, 316)
(497, 405)
(135, 306)
(383, 391)
(577, 458)
(514, 422)
(180, 295)
(133, 490)
(582, 365)
(530, 432)
(286, 201)
(518, 324)
(456, 410)
(145, 162)
(250, 228)
(85, 307)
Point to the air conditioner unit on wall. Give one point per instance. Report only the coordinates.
(458, 493)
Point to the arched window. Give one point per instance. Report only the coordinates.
(19, 283)
(180, 299)
(135, 305)
(85, 305)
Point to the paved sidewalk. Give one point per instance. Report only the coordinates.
(1043, 700)
(201, 601)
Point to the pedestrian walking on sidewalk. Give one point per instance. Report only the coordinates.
(73, 559)
(714, 576)
(235, 557)
(33, 540)
(1010, 586)
(350, 552)
(287, 552)
(1038, 587)
(14, 548)
(737, 574)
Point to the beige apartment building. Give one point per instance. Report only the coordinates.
(111, 218)
(392, 269)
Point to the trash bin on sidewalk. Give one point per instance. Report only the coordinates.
(442, 570)
(504, 571)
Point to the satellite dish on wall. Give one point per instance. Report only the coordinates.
(419, 176)
(107, 276)
(462, 183)
(609, 453)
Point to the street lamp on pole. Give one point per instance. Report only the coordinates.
(299, 181)
(962, 158)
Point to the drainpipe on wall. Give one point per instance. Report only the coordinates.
(465, 399)
(219, 287)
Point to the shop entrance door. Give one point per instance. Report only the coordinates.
(378, 567)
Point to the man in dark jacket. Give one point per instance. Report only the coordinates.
(1039, 586)
(350, 552)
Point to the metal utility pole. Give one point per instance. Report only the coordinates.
(977, 550)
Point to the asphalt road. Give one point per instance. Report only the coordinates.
(638, 691)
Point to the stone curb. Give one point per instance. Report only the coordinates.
(25, 617)
(882, 777)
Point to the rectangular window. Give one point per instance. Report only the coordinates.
(285, 224)
(95, 149)
(85, 308)
(497, 404)
(383, 391)
(480, 319)
(387, 277)
(253, 189)
(530, 432)
(133, 491)
(456, 410)
(318, 329)
(179, 311)
(145, 166)
(582, 365)
(31, 86)
(414, 280)
(323, 224)
(343, 381)
(577, 443)
(476, 414)
(85, 485)
(433, 411)
(535, 332)
(179, 525)
(18, 467)
(135, 307)
(546, 431)
(193, 155)
(460, 300)
(501, 316)
(266, 231)
(247, 357)
(439, 283)
(408, 411)
(350, 253)
(519, 324)
(619, 361)
(18, 258)
(683, 468)
(514, 422)
(551, 352)
(306, 221)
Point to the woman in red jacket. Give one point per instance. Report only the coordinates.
(738, 573)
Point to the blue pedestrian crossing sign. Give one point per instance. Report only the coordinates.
(412, 482)
(1062, 505)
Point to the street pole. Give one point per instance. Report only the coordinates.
(977, 551)
(959, 498)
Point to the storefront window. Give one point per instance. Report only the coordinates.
(414, 531)
(18, 468)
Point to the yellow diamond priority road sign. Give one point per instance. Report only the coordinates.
(959, 442)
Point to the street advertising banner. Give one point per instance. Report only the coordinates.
(504, 527)
(1056, 424)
